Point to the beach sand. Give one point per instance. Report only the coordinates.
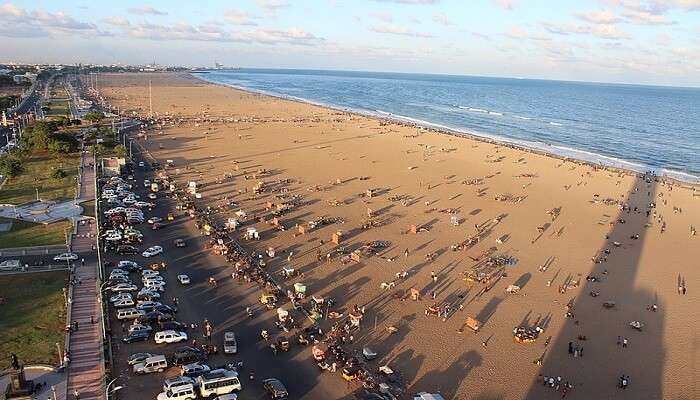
(551, 212)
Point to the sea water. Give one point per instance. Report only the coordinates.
(636, 127)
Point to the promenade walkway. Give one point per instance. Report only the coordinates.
(86, 369)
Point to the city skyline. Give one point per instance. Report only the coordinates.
(626, 41)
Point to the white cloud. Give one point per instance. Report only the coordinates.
(657, 7)
(442, 19)
(646, 18)
(409, 1)
(146, 10)
(272, 6)
(394, 29)
(237, 17)
(601, 31)
(505, 4)
(604, 17)
(18, 22)
(517, 32)
(116, 21)
(383, 16)
(212, 33)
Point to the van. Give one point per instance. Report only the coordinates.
(9, 265)
(129, 313)
(151, 364)
(218, 382)
(230, 345)
(184, 392)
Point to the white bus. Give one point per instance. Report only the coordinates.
(218, 382)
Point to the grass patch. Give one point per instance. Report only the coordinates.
(88, 208)
(25, 234)
(32, 317)
(57, 107)
(37, 174)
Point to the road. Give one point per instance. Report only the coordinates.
(224, 305)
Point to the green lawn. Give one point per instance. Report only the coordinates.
(32, 317)
(37, 174)
(24, 234)
(57, 107)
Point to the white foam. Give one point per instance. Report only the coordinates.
(554, 123)
(519, 117)
(495, 113)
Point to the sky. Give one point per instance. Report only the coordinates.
(625, 41)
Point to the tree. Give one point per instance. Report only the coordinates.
(99, 150)
(10, 165)
(58, 174)
(120, 151)
(94, 116)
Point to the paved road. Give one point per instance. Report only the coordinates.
(224, 306)
(86, 370)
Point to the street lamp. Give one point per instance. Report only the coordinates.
(114, 389)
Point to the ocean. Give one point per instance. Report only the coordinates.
(642, 128)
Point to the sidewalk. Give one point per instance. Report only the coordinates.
(86, 369)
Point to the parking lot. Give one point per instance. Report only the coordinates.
(223, 305)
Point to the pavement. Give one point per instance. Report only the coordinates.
(53, 383)
(86, 369)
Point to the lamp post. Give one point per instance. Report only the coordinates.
(37, 193)
(114, 389)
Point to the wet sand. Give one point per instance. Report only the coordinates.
(539, 210)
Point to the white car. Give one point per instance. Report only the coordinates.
(120, 296)
(66, 257)
(148, 304)
(170, 337)
(127, 264)
(142, 204)
(113, 237)
(115, 210)
(151, 280)
(124, 303)
(123, 287)
(183, 279)
(157, 286)
(153, 220)
(152, 251)
(149, 272)
(146, 183)
(152, 196)
(139, 328)
(128, 201)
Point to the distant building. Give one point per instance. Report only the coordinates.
(112, 166)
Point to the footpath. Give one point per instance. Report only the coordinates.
(86, 368)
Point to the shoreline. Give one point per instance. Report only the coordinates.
(483, 138)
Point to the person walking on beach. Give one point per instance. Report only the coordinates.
(405, 253)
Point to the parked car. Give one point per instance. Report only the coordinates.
(186, 355)
(177, 381)
(183, 279)
(120, 296)
(126, 249)
(170, 337)
(152, 251)
(184, 392)
(130, 266)
(123, 287)
(180, 243)
(194, 370)
(123, 303)
(138, 358)
(139, 328)
(172, 325)
(138, 336)
(152, 196)
(275, 389)
(66, 257)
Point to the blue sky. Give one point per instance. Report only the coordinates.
(630, 41)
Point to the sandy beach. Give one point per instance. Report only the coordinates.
(571, 236)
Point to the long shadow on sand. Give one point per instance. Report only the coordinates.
(596, 375)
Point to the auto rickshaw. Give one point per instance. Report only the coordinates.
(157, 266)
(171, 216)
(283, 343)
(351, 373)
(269, 300)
